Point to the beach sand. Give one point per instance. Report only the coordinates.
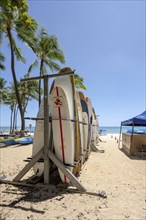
(122, 178)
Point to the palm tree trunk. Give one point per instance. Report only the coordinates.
(14, 118)
(41, 71)
(15, 81)
(11, 119)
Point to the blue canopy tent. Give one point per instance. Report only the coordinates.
(139, 120)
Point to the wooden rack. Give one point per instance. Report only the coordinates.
(45, 152)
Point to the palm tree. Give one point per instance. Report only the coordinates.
(47, 51)
(14, 17)
(7, 97)
(27, 91)
(11, 101)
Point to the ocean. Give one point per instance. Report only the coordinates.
(108, 129)
(7, 129)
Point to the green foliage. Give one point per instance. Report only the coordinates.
(17, 51)
(79, 82)
(27, 90)
(3, 91)
(2, 59)
(2, 83)
(14, 5)
(33, 66)
(14, 17)
(47, 50)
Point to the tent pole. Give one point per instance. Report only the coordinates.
(132, 136)
(120, 136)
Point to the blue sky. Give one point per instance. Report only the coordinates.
(105, 42)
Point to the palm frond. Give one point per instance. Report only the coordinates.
(42, 32)
(56, 55)
(79, 82)
(2, 83)
(28, 37)
(52, 65)
(17, 51)
(33, 66)
(2, 67)
(2, 59)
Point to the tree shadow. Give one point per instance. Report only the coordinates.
(36, 194)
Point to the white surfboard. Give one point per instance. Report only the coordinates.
(63, 125)
(94, 129)
(65, 83)
(38, 142)
(97, 134)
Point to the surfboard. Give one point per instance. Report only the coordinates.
(63, 125)
(97, 134)
(94, 129)
(89, 104)
(81, 125)
(65, 83)
(85, 125)
(38, 141)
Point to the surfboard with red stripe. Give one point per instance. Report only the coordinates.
(63, 129)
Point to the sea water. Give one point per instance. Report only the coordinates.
(108, 129)
(7, 129)
(116, 129)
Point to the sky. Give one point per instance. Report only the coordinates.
(105, 42)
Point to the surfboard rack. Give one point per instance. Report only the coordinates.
(45, 152)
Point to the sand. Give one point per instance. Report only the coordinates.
(123, 179)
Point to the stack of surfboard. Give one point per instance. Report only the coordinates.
(73, 126)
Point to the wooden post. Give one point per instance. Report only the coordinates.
(77, 141)
(77, 148)
(66, 171)
(46, 131)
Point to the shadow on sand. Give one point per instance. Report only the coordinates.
(141, 157)
(36, 194)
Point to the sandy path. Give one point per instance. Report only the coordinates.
(123, 179)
